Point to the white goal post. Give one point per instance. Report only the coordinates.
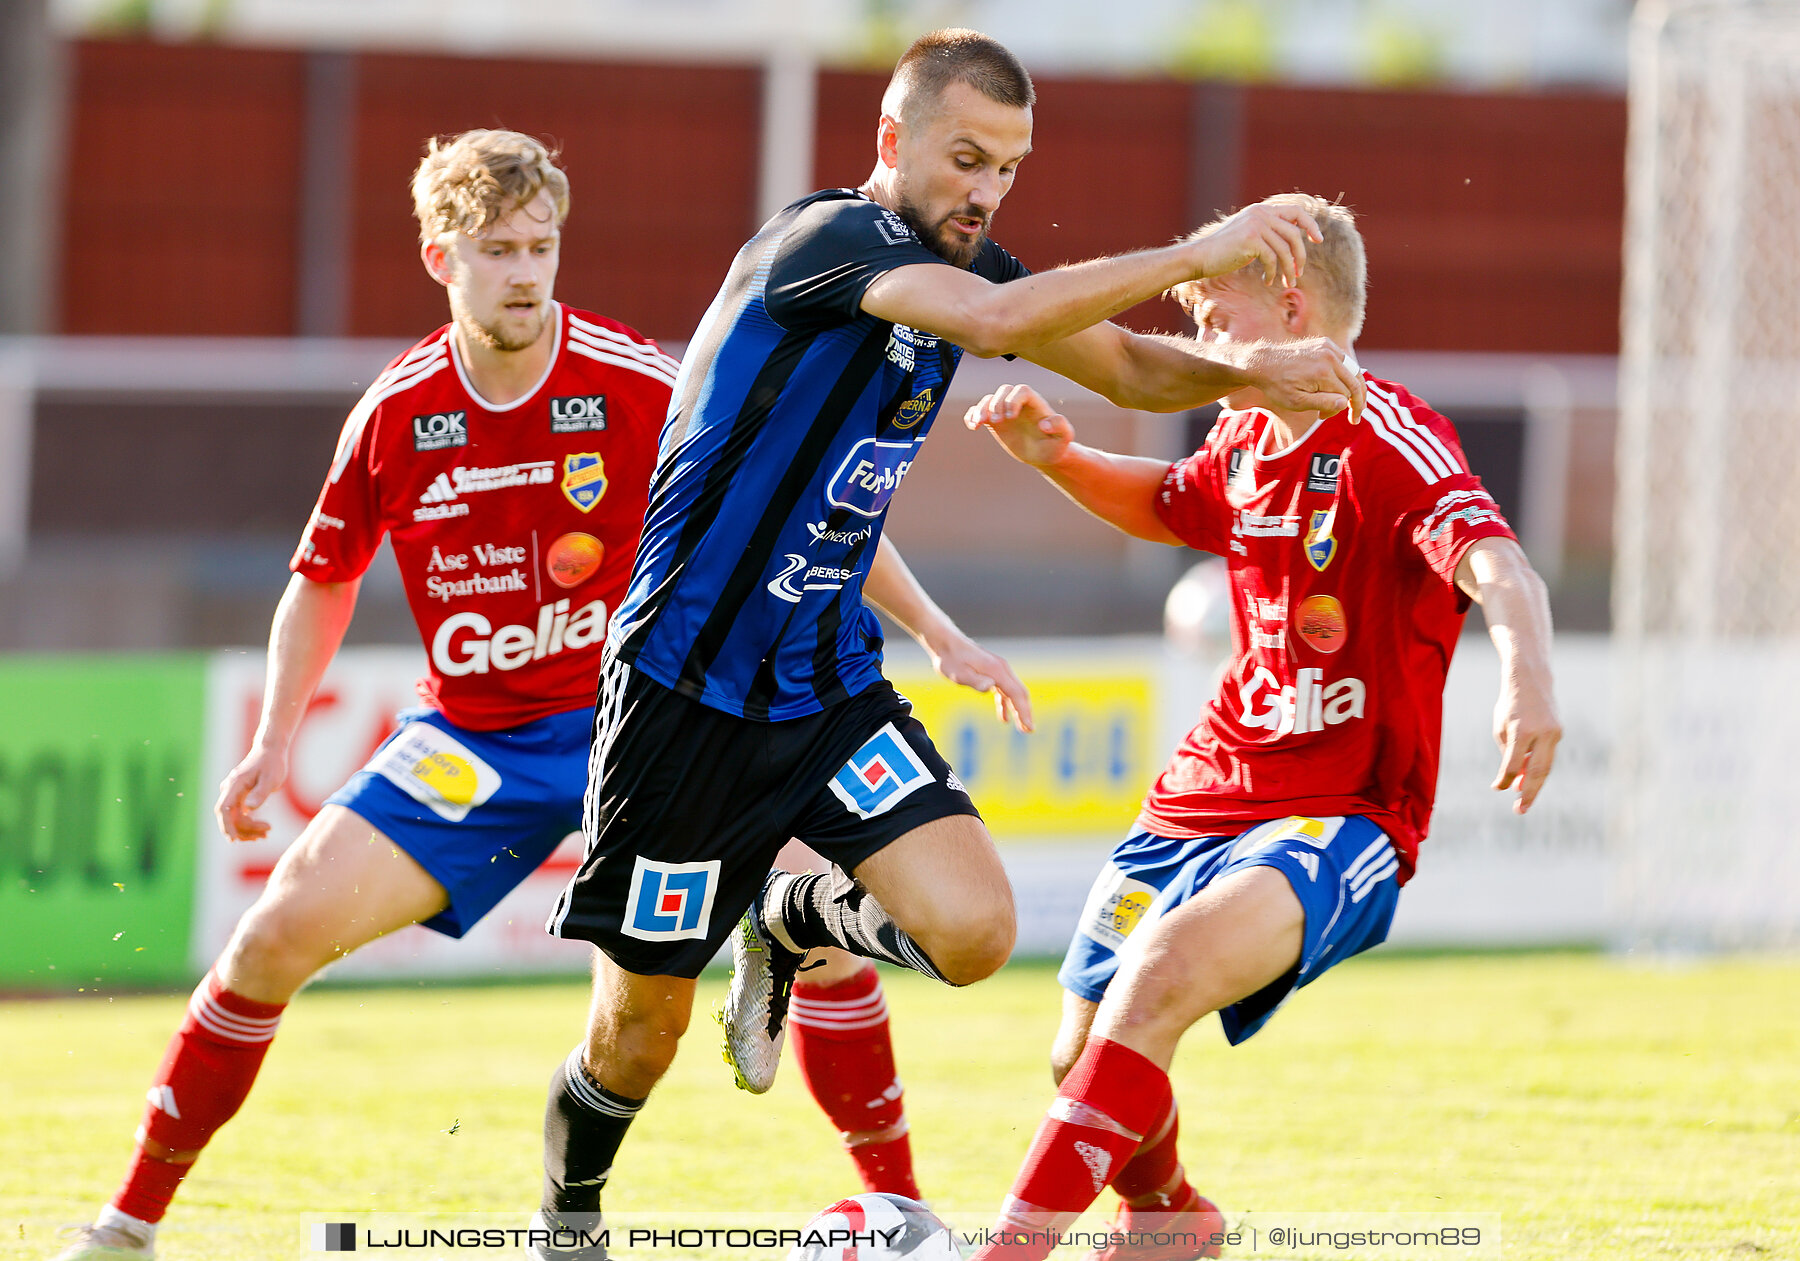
(1705, 803)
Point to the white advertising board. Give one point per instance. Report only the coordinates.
(350, 715)
(1487, 877)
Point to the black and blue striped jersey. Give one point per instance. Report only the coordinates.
(793, 421)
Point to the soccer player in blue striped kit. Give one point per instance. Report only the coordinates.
(742, 700)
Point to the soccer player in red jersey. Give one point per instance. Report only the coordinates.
(508, 457)
(1274, 844)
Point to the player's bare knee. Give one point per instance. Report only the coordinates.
(271, 955)
(976, 951)
(632, 1044)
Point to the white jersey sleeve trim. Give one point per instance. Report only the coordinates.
(1386, 426)
(621, 361)
(1435, 454)
(403, 376)
(1424, 431)
(610, 339)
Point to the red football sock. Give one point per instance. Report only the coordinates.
(1153, 1178)
(204, 1079)
(840, 1040)
(1107, 1104)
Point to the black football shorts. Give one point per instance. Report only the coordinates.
(687, 807)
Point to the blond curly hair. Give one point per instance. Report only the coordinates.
(469, 182)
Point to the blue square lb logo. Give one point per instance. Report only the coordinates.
(879, 774)
(670, 901)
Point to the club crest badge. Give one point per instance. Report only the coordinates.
(914, 409)
(584, 479)
(1320, 546)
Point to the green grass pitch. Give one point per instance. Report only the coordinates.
(1604, 1109)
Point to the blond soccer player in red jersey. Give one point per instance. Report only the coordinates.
(508, 458)
(1274, 845)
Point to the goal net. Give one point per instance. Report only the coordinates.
(1705, 800)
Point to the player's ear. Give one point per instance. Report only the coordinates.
(1294, 311)
(887, 141)
(437, 261)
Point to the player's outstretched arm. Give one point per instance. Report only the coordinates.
(1157, 373)
(309, 625)
(1495, 574)
(1119, 489)
(1018, 317)
(892, 588)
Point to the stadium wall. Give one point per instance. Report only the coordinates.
(203, 182)
(113, 874)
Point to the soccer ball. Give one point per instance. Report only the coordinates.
(876, 1226)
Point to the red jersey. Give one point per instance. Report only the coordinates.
(1343, 549)
(515, 526)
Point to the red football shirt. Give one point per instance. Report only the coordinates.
(515, 526)
(1343, 549)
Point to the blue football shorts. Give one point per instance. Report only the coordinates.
(1342, 868)
(478, 810)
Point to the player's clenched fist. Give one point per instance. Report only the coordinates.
(1023, 422)
(1274, 236)
(1307, 374)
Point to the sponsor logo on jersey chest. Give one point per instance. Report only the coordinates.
(1260, 526)
(798, 576)
(1322, 473)
(870, 475)
(441, 497)
(578, 413)
(468, 643)
(1305, 705)
(572, 559)
(1320, 622)
(440, 430)
(905, 344)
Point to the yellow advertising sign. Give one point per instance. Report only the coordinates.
(1083, 772)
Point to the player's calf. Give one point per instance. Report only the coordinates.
(845, 1054)
(1071, 1034)
(596, 1093)
(634, 1026)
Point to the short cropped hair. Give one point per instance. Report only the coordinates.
(1337, 269)
(469, 182)
(955, 55)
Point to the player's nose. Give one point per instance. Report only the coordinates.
(986, 194)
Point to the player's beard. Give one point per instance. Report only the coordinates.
(943, 240)
(495, 337)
